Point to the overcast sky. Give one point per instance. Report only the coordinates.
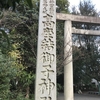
(95, 2)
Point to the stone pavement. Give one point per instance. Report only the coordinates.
(80, 97)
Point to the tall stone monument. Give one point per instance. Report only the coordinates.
(46, 54)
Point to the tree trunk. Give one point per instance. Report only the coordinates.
(27, 92)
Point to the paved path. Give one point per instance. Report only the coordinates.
(80, 97)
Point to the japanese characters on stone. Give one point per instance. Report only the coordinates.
(46, 67)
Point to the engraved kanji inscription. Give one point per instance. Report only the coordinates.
(48, 57)
(46, 98)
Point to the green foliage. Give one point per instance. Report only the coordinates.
(12, 3)
(23, 41)
(62, 6)
(59, 87)
(29, 3)
(18, 96)
(22, 29)
(5, 35)
(26, 78)
(5, 76)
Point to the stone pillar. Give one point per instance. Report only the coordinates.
(68, 66)
(46, 54)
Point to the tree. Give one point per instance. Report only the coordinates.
(87, 45)
(62, 6)
(85, 8)
(23, 41)
(12, 3)
(6, 74)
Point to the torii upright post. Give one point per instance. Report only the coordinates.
(68, 67)
(46, 54)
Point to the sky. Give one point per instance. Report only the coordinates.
(94, 2)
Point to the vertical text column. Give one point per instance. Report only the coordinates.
(46, 54)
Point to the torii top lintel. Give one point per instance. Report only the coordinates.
(78, 18)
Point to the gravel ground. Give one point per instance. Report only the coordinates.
(80, 97)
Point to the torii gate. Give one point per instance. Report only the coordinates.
(46, 55)
(68, 30)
